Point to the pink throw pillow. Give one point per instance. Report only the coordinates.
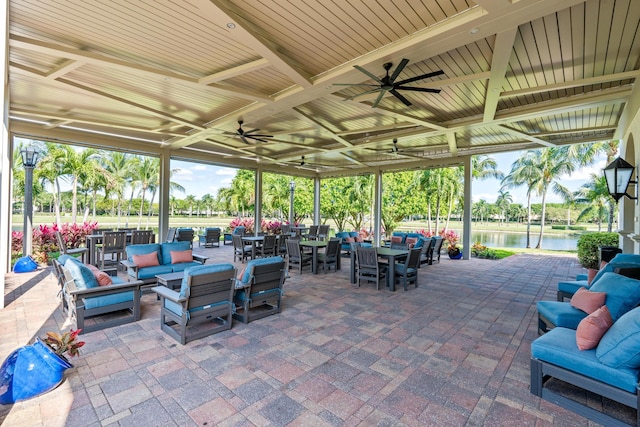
(181, 256)
(359, 239)
(592, 328)
(146, 260)
(411, 241)
(588, 301)
(102, 278)
(396, 239)
(349, 239)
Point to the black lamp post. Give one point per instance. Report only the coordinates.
(30, 156)
(292, 189)
(618, 175)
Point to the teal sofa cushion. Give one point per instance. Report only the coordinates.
(198, 271)
(572, 286)
(143, 249)
(558, 347)
(623, 293)
(560, 313)
(82, 276)
(150, 272)
(248, 271)
(618, 261)
(106, 300)
(181, 266)
(620, 345)
(167, 247)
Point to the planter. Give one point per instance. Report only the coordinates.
(30, 371)
(455, 253)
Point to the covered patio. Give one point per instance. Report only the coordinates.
(454, 351)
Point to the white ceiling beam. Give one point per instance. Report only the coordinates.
(524, 136)
(234, 72)
(453, 145)
(64, 68)
(502, 49)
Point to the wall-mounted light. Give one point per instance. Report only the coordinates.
(618, 175)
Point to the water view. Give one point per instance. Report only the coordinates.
(499, 239)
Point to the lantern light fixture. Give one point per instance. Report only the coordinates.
(618, 175)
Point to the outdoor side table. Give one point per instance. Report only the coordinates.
(172, 281)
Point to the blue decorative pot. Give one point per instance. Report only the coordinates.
(455, 254)
(30, 371)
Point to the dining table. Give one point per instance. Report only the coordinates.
(392, 255)
(314, 245)
(253, 241)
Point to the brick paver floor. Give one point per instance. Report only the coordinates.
(453, 352)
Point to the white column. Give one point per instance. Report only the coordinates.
(5, 152)
(163, 202)
(316, 200)
(468, 202)
(377, 208)
(258, 202)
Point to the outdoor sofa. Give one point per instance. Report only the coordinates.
(170, 257)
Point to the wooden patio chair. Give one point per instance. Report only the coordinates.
(185, 235)
(113, 245)
(210, 238)
(323, 232)
(70, 251)
(259, 290)
(140, 237)
(369, 268)
(202, 307)
(295, 257)
(330, 256)
(268, 248)
(407, 272)
(240, 250)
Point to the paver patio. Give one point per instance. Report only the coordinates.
(453, 352)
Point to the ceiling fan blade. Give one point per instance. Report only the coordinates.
(423, 76)
(259, 135)
(245, 140)
(247, 132)
(418, 89)
(373, 76)
(378, 99)
(258, 139)
(398, 69)
(404, 100)
(363, 93)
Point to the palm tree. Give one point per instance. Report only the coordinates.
(502, 202)
(146, 176)
(523, 172)
(119, 165)
(190, 200)
(483, 167)
(596, 194)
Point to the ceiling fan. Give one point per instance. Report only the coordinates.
(250, 134)
(389, 84)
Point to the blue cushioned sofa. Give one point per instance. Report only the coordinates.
(343, 235)
(623, 294)
(83, 298)
(163, 250)
(610, 370)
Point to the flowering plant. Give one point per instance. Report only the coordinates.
(273, 227)
(247, 223)
(64, 343)
(452, 237)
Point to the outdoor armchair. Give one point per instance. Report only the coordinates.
(259, 289)
(210, 238)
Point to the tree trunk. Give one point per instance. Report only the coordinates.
(528, 220)
(544, 206)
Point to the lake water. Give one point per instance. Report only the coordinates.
(496, 239)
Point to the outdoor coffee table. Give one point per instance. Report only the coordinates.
(172, 281)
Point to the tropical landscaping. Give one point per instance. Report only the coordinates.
(119, 190)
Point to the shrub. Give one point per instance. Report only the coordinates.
(577, 227)
(558, 227)
(588, 247)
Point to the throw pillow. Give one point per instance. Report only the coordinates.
(591, 329)
(588, 301)
(349, 239)
(103, 278)
(181, 256)
(359, 239)
(620, 346)
(411, 241)
(396, 239)
(146, 260)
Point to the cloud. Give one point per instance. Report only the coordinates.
(227, 171)
(199, 168)
(182, 175)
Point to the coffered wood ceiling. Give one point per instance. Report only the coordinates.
(177, 75)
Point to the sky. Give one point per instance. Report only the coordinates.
(199, 179)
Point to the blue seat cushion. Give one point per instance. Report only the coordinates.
(143, 249)
(167, 247)
(106, 300)
(572, 286)
(62, 259)
(561, 313)
(558, 347)
(198, 271)
(149, 272)
(82, 275)
(623, 293)
(248, 271)
(582, 277)
(620, 345)
(419, 243)
(181, 266)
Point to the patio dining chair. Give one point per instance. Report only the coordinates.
(369, 268)
(295, 256)
(240, 250)
(407, 272)
(313, 232)
(113, 244)
(142, 237)
(330, 256)
(323, 232)
(70, 251)
(268, 247)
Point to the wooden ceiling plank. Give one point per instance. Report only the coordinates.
(501, 55)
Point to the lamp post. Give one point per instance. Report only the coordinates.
(30, 156)
(292, 189)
